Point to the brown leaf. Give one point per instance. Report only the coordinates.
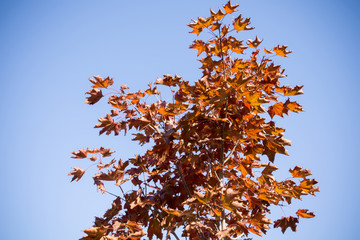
(94, 233)
(108, 125)
(155, 228)
(168, 80)
(95, 96)
(77, 173)
(99, 184)
(106, 152)
(81, 154)
(286, 222)
(115, 208)
(101, 83)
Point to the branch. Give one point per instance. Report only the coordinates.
(222, 219)
(232, 151)
(183, 179)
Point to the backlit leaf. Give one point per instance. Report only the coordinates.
(304, 213)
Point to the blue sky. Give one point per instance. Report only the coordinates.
(48, 49)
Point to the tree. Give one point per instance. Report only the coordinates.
(209, 166)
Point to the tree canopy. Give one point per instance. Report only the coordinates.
(211, 150)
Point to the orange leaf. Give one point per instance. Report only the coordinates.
(288, 91)
(241, 24)
(267, 51)
(217, 16)
(254, 43)
(199, 45)
(230, 8)
(293, 106)
(196, 27)
(277, 109)
(281, 50)
(299, 172)
(101, 83)
(305, 214)
(168, 80)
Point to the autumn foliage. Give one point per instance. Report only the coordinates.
(208, 170)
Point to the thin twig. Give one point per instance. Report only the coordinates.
(122, 190)
(232, 151)
(112, 194)
(173, 233)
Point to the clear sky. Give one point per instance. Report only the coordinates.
(48, 49)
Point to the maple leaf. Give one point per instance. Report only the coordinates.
(299, 172)
(81, 154)
(215, 26)
(114, 210)
(106, 152)
(269, 169)
(155, 228)
(304, 213)
(217, 16)
(255, 99)
(288, 91)
(277, 109)
(236, 46)
(108, 125)
(95, 96)
(94, 233)
(199, 45)
(77, 173)
(268, 51)
(241, 24)
(196, 27)
(230, 8)
(286, 222)
(281, 50)
(101, 83)
(204, 22)
(307, 185)
(293, 106)
(99, 184)
(254, 43)
(168, 80)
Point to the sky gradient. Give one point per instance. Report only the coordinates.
(48, 50)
